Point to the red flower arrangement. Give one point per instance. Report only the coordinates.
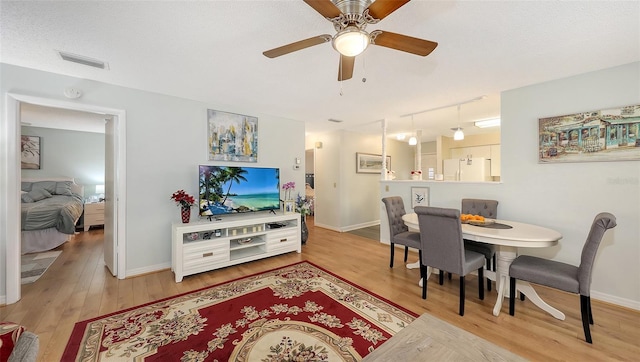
(183, 199)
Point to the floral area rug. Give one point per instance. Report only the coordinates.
(297, 313)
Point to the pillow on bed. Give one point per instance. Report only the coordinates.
(35, 195)
(63, 188)
(46, 185)
(54, 187)
(26, 186)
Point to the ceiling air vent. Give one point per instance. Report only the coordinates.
(83, 60)
(335, 120)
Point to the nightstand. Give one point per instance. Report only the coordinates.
(93, 214)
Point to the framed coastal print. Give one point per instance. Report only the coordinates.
(231, 137)
(370, 163)
(30, 152)
(419, 196)
(604, 135)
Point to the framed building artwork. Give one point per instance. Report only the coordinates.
(419, 196)
(231, 137)
(604, 135)
(30, 152)
(370, 163)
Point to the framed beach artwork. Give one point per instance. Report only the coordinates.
(605, 135)
(231, 137)
(419, 196)
(370, 163)
(30, 152)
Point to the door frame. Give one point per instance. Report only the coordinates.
(11, 160)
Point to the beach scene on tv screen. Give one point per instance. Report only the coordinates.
(226, 190)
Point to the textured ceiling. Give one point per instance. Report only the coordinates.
(211, 51)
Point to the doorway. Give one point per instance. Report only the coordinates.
(115, 178)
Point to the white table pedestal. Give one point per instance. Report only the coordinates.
(505, 256)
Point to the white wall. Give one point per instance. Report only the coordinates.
(67, 153)
(567, 196)
(166, 141)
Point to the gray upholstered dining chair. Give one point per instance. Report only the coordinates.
(488, 209)
(442, 247)
(566, 277)
(399, 232)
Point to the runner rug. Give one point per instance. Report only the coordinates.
(297, 313)
(34, 265)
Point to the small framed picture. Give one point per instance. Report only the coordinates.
(419, 196)
(289, 207)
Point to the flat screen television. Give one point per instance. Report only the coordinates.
(229, 190)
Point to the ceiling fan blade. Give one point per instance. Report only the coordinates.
(345, 68)
(401, 42)
(299, 45)
(381, 8)
(325, 7)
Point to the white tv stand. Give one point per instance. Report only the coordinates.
(207, 245)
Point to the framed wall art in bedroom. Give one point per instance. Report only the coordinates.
(30, 149)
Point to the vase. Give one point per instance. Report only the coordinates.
(304, 230)
(185, 212)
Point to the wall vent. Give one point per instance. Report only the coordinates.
(335, 120)
(83, 60)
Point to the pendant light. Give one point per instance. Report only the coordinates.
(412, 140)
(458, 135)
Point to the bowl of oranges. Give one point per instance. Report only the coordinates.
(475, 219)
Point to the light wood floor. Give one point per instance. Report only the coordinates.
(78, 287)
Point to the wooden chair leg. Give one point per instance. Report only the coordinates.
(489, 268)
(450, 276)
(423, 275)
(584, 309)
(406, 253)
(522, 296)
(441, 277)
(461, 295)
(590, 315)
(392, 251)
(480, 283)
(512, 296)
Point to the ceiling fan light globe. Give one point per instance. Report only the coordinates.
(413, 141)
(351, 41)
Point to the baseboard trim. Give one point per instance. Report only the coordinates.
(148, 269)
(622, 302)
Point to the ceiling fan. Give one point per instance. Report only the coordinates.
(350, 18)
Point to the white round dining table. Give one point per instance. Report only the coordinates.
(507, 240)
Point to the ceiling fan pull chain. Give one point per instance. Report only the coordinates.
(364, 69)
(341, 80)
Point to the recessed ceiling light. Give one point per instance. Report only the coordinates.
(80, 59)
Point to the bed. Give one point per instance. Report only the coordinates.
(50, 211)
(310, 195)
